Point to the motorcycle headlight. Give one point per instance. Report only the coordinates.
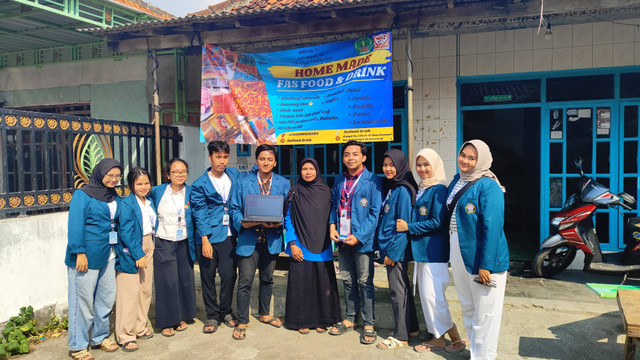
(556, 221)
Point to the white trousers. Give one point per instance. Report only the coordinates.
(481, 305)
(432, 280)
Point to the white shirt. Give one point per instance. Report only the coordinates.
(170, 208)
(148, 216)
(223, 187)
(113, 206)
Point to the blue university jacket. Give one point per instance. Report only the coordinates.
(428, 226)
(208, 207)
(480, 221)
(156, 196)
(88, 230)
(390, 242)
(365, 208)
(129, 246)
(247, 238)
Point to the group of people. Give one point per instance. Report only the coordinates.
(117, 247)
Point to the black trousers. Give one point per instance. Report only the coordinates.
(224, 263)
(404, 307)
(175, 285)
(265, 262)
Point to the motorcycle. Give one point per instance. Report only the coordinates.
(572, 229)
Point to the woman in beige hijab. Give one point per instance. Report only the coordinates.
(479, 254)
(430, 248)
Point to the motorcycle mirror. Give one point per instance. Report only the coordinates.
(629, 199)
(578, 163)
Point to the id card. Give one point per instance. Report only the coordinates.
(113, 237)
(345, 226)
(179, 234)
(225, 220)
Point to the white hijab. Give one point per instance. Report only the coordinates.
(483, 163)
(438, 175)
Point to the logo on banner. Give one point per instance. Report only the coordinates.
(363, 46)
(470, 208)
(381, 41)
(423, 210)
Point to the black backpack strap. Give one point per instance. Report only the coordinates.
(452, 205)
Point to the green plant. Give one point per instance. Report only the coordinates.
(21, 331)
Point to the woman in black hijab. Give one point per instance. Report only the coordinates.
(400, 194)
(90, 260)
(312, 291)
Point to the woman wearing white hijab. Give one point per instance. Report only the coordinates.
(430, 248)
(479, 254)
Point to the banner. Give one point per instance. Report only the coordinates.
(321, 94)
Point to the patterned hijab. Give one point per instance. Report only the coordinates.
(438, 175)
(483, 163)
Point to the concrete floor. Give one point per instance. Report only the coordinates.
(543, 319)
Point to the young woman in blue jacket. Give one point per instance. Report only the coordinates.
(90, 260)
(399, 192)
(134, 264)
(479, 253)
(430, 250)
(175, 251)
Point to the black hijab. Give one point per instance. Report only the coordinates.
(310, 204)
(403, 174)
(96, 188)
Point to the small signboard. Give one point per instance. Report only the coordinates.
(496, 98)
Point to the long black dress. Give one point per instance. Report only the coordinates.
(312, 289)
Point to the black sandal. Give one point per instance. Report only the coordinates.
(342, 328)
(212, 324)
(228, 319)
(368, 333)
(241, 332)
(124, 346)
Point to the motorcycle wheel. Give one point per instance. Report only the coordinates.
(551, 261)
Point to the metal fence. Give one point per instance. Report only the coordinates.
(46, 156)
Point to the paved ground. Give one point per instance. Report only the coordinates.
(542, 319)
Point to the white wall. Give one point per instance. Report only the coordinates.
(438, 61)
(32, 251)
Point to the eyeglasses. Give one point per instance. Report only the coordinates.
(182, 173)
(113, 177)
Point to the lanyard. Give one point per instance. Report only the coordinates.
(352, 189)
(262, 190)
(178, 209)
(112, 215)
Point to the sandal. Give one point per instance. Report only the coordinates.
(81, 355)
(342, 328)
(271, 322)
(239, 333)
(453, 347)
(147, 335)
(107, 345)
(127, 349)
(304, 331)
(369, 333)
(182, 326)
(168, 332)
(390, 343)
(426, 347)
(210, 326)
(230, 321)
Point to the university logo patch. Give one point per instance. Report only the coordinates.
(364, 202)
(386, 208)
(636, 235)
(470, 208)
(423, 210)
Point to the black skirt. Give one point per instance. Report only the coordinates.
(312, 295)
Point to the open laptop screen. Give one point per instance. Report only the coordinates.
(263, 206)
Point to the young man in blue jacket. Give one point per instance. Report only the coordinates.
(258, 244)
(355, 206)
(215, 237)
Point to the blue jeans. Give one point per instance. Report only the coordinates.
(91, 297)
(356, 269)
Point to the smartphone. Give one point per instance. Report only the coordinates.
(490, 284)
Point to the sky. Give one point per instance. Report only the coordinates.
(180, 8)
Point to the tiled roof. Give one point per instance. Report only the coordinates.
(245, 7)
(146, 8)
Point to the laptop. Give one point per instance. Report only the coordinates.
(263, 208)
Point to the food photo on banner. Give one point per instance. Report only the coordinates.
(329, 93)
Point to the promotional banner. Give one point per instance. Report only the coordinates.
(321, 94)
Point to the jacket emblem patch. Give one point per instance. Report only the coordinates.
(364, 202)
(423, 210)
(470, 208)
